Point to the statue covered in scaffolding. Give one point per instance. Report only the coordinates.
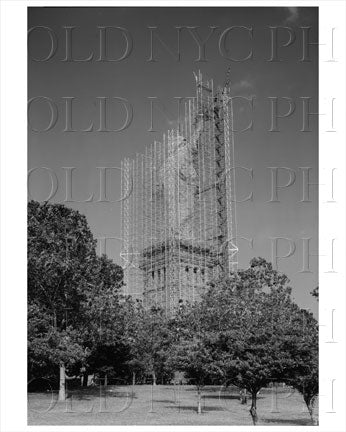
(178, 206)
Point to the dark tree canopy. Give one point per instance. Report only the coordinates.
(248, 332)
(72, 293)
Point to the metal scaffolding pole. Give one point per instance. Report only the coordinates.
(178, 220)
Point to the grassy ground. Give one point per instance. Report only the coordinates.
(166, 405)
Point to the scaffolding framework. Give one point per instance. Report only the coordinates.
(178, 205)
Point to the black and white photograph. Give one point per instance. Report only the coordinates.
(176, 267)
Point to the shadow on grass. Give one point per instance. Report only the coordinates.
(164, 401)
(293, 421)
(95, 392)
(193, 408)
(222, 397)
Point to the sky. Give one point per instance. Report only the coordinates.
(244, 39)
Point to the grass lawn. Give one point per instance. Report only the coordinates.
(163, 405)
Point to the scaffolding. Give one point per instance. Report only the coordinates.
(178, 206)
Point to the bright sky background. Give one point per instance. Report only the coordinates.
(136, 79)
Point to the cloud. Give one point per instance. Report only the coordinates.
(293, 15)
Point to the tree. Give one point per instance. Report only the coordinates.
(61, 258)
(192, 351)
(253, 348)
(67, 285)
(258, 337)
(49, 346)
(104, 320)
(304, 376)
(148, 337)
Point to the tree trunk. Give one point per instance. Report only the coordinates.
(154, 378)
(199, 401)
(253, 409)
(310, 405)
(106, 381)
(85, 379)
(62, 383)
(133, 378)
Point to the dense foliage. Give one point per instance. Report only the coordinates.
(72, 293)
(248, 332)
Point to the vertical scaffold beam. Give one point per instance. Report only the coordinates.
(179, 219)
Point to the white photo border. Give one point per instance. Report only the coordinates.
(14, 208)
